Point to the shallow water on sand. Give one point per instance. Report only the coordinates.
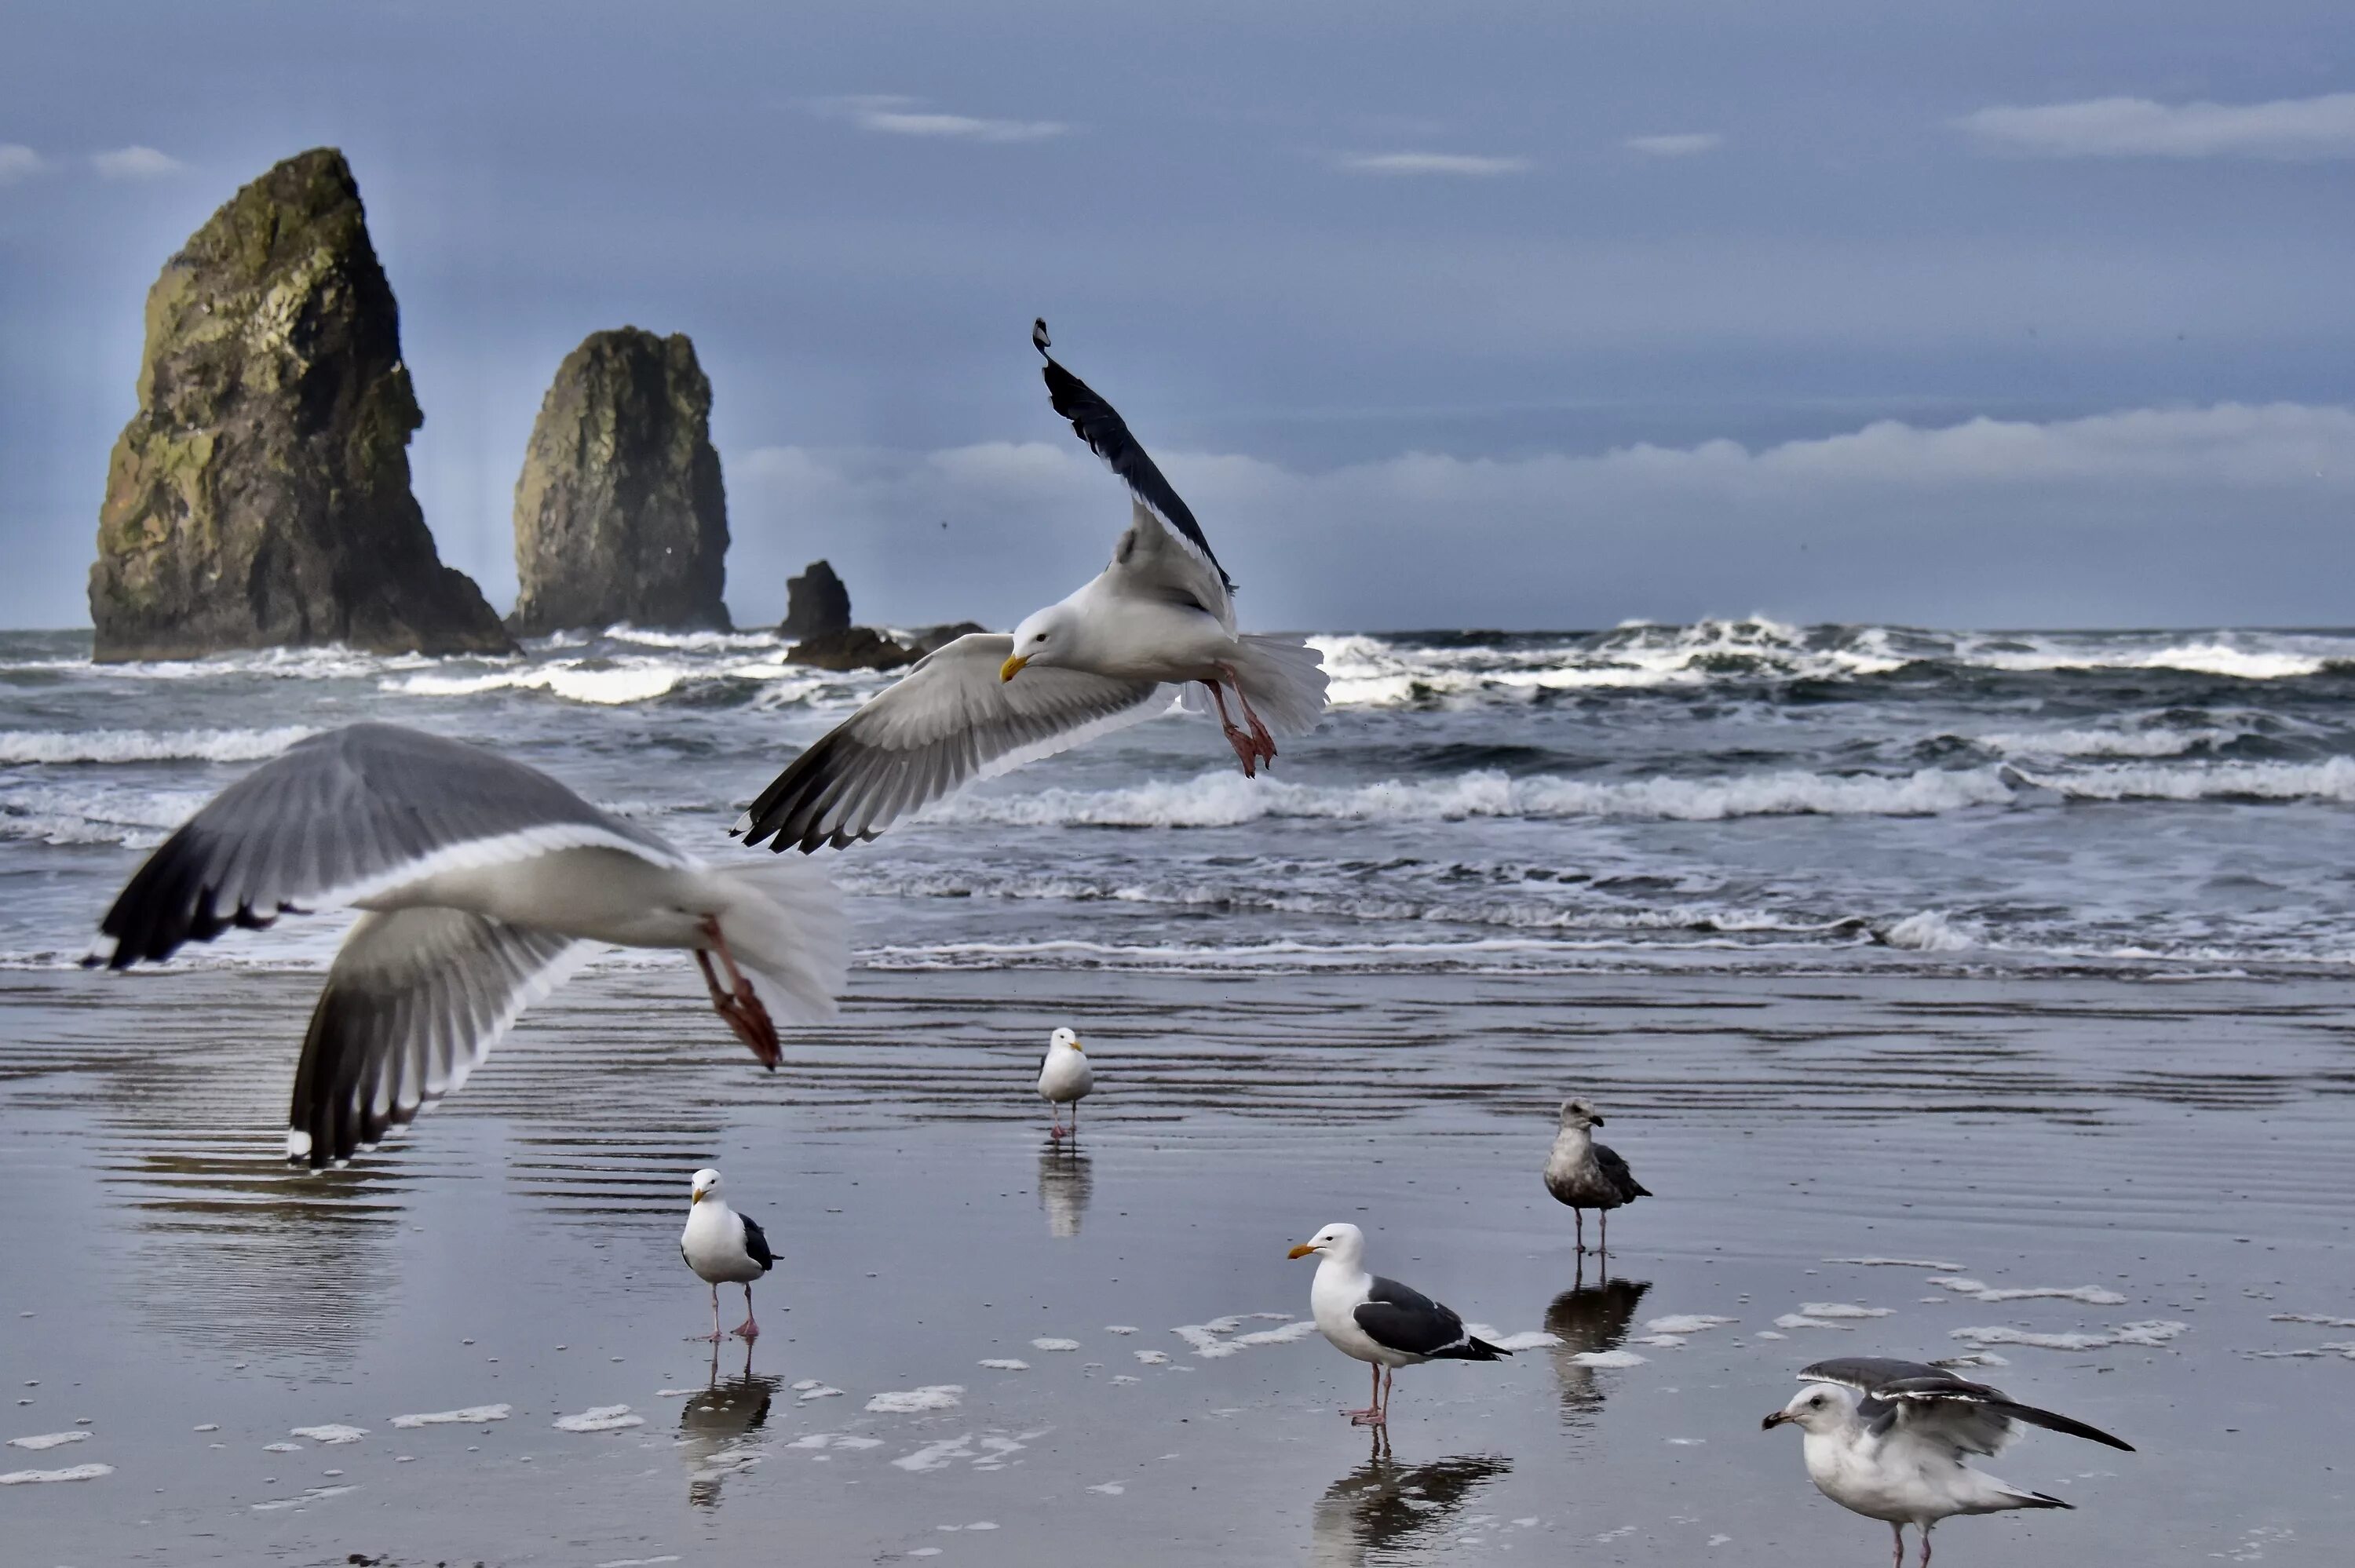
(176, 1295)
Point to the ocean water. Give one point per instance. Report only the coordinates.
(1730, 796)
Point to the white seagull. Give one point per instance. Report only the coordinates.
(1379, 1321)
(723, 1247)
(1064, 1079)
(482, 881)
(1887, 1439)
(1161, 614)
(1585, 1175)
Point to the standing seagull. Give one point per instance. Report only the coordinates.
(1064, 1079)
(1161, 614)
(482, 880)
(723, 1247)
(1379, 1321)
(1887, 1439)
(1585, 1175)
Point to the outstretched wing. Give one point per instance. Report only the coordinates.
(414, 1002)
(1099, 424)
(341, 815)
(950, 719)
(1971, 1416)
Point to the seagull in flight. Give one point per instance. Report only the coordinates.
(483, 885)
(1888, 1439)
(1378, 1321)
(1161, 615)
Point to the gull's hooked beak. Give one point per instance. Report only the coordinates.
(1303, 1250)
(1773, 1421)
(696, 1199)
(1011, 668)
(1077, 1046)
(1594, 1121)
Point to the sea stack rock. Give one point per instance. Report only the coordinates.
(620, 514)
(259, 497)
(817, 604)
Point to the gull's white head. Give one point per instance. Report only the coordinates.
(1345, 1243)
(1064, 1040)
(1580, 1113)
(707, 1185)
(1047, 637)
(1818, 1407)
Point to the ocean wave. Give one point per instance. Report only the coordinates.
(98, 745)
(2158, 740)
(621, 681)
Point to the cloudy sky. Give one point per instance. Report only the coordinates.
(1962, 313)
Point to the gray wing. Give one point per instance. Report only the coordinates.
(1971, 1416)
(1400, 1318)
(1616, 1172)
(951, 719)
(341, 815)
(414, 1001)
(1099, 424)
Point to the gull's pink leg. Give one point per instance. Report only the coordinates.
(1578, 1218)
(1372, 1413)
(1925, 1546)
(1265, 741)
(1603, 1218)
(714, 1336)
(1246, 745)
(739, 1005)
(1898, 1532)
(747, 1330)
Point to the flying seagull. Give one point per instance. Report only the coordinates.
(1064, 1079)
(1585, 1175)
(723, 1247)
(1161, 614)
(482, 882)
(1887, 1439)
(1379, 1321)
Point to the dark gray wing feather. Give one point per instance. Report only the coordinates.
(1099, 424)
(948, 720)
(1974, 1415)
(1401, 1317)
(335, 815)
(1616, 1172)
(414, 1001)
(756, 1244)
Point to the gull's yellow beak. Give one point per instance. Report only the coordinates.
(1303, 1250)
(1077, 1046)
(696, 1199)
(1012, 667)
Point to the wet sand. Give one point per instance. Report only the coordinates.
(176, 1295)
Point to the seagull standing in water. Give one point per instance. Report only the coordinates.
(483, 884)
(723, 1247)
(1064, 1079)
(1379, 1321)
(1585, 1175)
(1887, 1439)
(1161, 614)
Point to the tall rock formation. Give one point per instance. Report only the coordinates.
(816, 603)
(619, 514)
(260, 497)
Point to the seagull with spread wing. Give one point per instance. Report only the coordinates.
(1161, 615)
(483, 884)
(1888, 1439)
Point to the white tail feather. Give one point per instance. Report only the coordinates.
(1285, 679)
(787, 929)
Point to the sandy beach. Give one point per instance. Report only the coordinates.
(2176, 1145)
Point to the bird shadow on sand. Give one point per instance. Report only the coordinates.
(719, 1428)
(1587, 1319)
(1066, 1183)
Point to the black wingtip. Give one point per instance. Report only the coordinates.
(1038, 338)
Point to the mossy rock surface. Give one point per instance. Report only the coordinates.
(620, 512)
(260, 495)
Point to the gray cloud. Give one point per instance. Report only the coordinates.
(1682, 145)
(2141, 127)
(134, 162)
(18, 162)
(893, 114)
(1460, 166)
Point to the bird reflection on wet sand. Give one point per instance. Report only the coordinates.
(1065, 1184)
(1383, 1508)
(1589, 1317)
(717, 1427)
